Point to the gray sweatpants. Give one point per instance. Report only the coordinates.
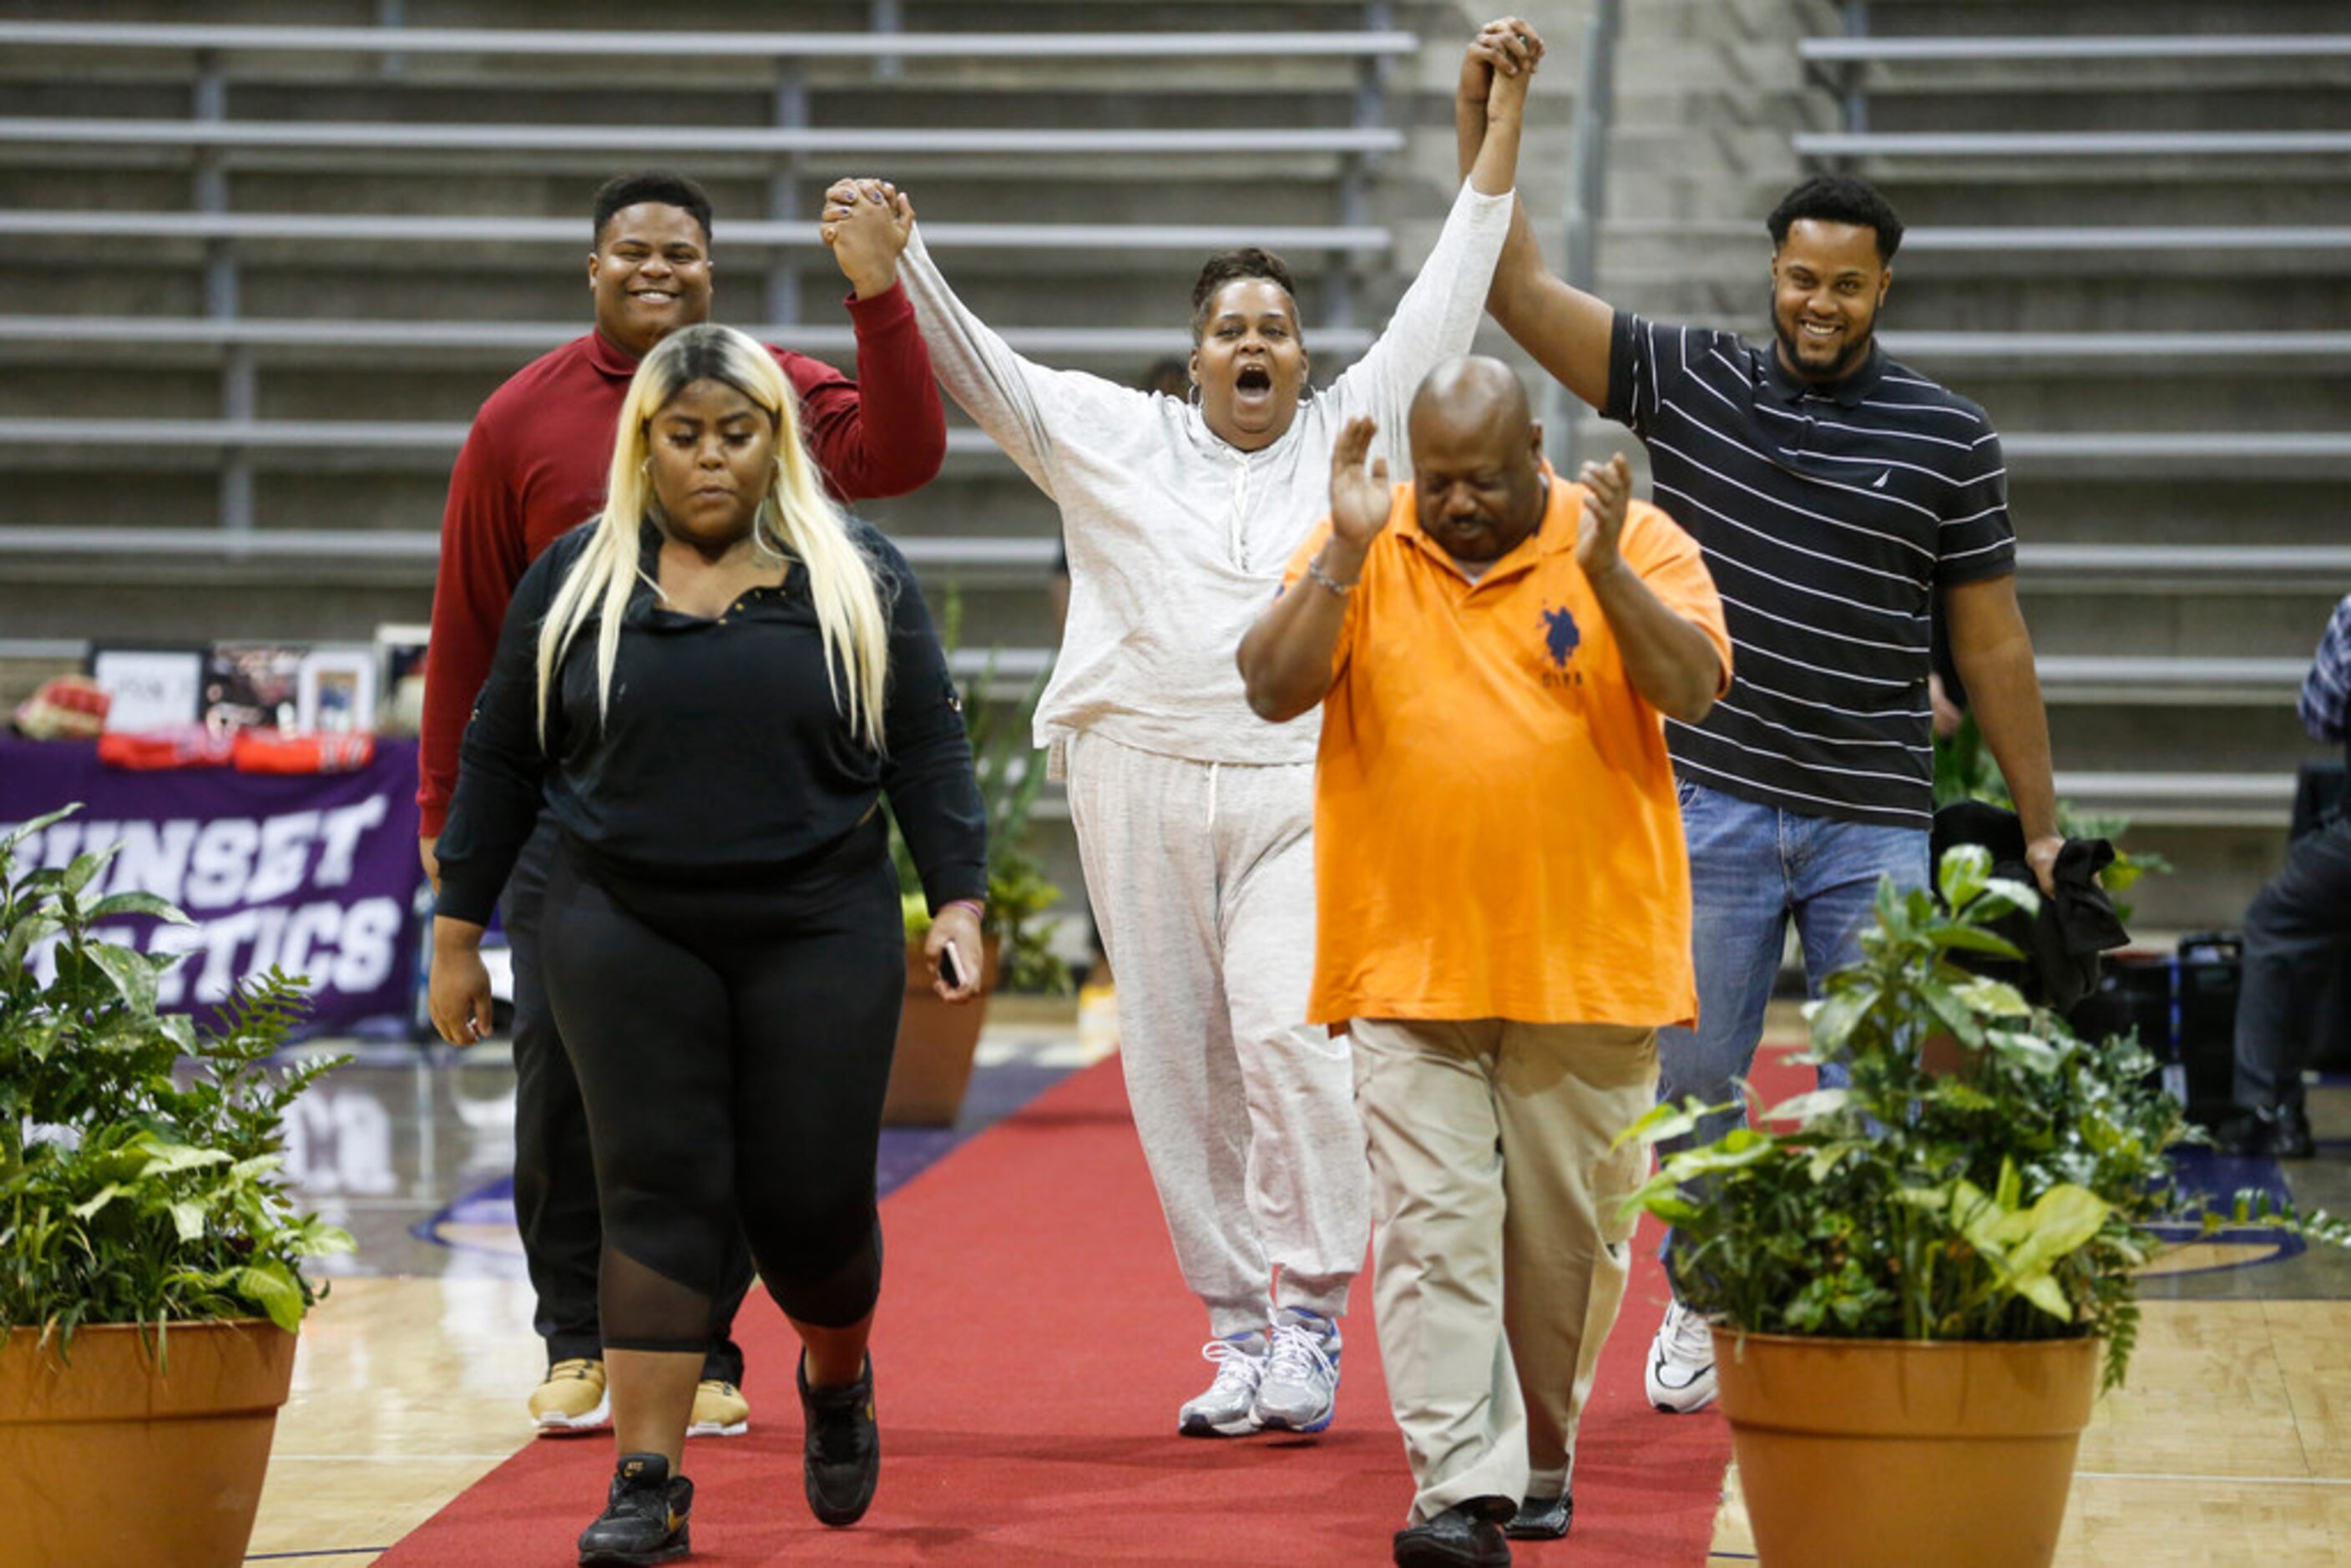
(1202, 878)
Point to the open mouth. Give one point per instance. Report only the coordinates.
(653, 297)
(1253, 377)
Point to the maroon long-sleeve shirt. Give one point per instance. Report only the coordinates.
(535, 463)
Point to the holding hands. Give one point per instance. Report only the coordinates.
(1499, 64)
(866, 222)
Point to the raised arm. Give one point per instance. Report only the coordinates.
(884, 433)
(1567, 331)
(1012, 399)
(1288, 659)
(1437, 317)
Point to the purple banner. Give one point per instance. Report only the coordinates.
(314, 873)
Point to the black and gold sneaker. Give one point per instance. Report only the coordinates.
(842, 1448)
(644, 1521)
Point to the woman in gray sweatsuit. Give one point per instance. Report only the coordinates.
(1193, 816)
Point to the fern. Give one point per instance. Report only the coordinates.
(138, 1151)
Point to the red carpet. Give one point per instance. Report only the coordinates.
(1033, 1343)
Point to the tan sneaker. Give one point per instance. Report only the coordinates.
(572, 1399)
(720, 1410)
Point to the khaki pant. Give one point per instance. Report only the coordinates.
(1499, 1261)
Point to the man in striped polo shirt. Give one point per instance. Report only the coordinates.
(1837, 496)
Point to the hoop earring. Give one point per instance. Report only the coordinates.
(1192, 396)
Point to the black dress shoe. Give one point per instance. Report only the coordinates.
(1542, 1517)
(1466, 1535)
(841, 1447)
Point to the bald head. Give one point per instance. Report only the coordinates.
(1473, 389)
(1477, 458)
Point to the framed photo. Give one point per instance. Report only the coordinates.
(252, 685)
(336, 693)
(150, 687)
(400, 656)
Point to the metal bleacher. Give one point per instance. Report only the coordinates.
(277, 265)
(244, 208)
(2132, 242)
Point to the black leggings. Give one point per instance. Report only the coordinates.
(733, 1047)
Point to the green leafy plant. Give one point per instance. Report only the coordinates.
(2011, 1199)
(1010, 779)
(124, 1197)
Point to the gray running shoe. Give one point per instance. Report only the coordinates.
(1227, 1407)
(1299, 1392)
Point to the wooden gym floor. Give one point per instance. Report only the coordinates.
(2230, 1445)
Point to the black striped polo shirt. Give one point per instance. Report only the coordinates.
(1830, 515)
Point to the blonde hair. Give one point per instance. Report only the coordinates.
(795, 518)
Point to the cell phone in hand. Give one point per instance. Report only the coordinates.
(951, 965)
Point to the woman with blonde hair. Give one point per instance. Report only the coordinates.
(711, 687)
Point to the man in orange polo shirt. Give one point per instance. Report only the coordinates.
(1504, 910)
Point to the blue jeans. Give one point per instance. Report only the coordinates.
(1751, 867)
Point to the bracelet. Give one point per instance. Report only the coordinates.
(979, 910)
(1315, 569)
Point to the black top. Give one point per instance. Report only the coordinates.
(723, 756)
(1830, 516)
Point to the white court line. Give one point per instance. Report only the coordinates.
(2221, 1480)
(382, 1458)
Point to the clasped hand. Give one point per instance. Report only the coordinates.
(866, 222)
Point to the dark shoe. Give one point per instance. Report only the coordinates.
(1466, 1535)
(1542, 1517)
(644, 1520)
(842, 1448)
(2277, 1133)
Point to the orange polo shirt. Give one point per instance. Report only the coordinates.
(1495, 828)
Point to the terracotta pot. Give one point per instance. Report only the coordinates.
(1857, 1453)
(126, 1465)
(936, 1041)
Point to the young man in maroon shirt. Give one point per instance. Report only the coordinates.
(533, 468)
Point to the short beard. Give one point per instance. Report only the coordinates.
(1846, 363)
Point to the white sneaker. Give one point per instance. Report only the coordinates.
(1299, 1391)
(1680, 1376)
(1227, 1407)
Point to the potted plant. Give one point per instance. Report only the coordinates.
(149, 1288)
(936, 1040)
(1919, 1283)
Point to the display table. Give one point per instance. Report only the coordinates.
(313, 874)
